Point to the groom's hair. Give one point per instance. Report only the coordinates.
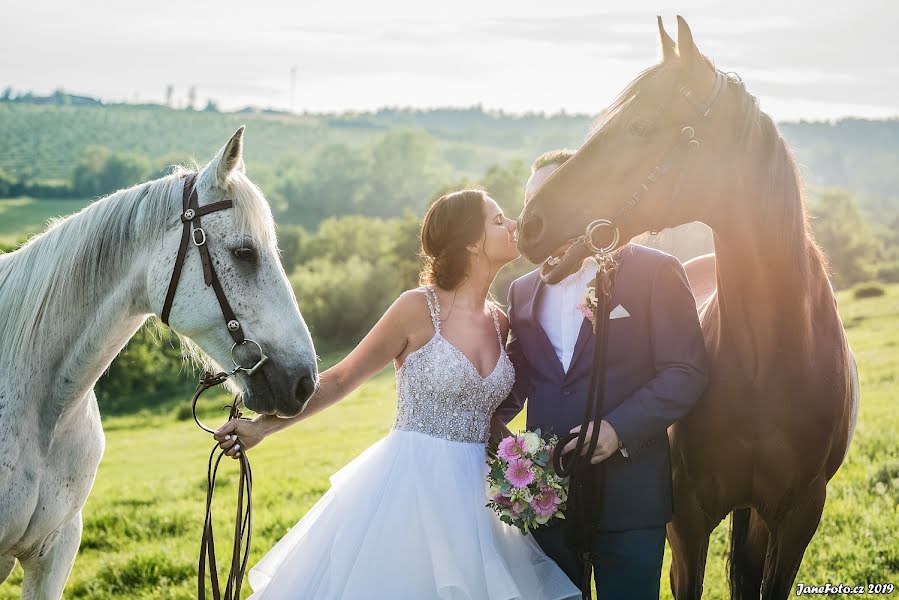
(553, 157)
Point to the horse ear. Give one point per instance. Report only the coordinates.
(669, 51)
(685, 45)
(226, 161)
(231, 157)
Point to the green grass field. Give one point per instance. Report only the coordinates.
(23, 216)
(143, 519)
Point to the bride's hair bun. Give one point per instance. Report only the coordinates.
(452, 222)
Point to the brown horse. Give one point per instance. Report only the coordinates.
(685, 142)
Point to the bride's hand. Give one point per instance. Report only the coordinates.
(238, 435)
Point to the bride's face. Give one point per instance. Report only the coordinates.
(499, 242)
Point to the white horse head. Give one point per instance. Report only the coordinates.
(243, 247)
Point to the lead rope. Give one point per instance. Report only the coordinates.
(585, 495)
(243, 519)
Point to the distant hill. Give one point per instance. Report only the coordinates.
(45, 141)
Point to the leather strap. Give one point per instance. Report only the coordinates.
(194, 232)
(182, 252)
(586, 480)
(240, 551)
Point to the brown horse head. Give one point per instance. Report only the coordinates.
(661, 155)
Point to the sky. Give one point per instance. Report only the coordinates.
(804, 60)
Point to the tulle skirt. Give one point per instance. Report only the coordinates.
(407, 519)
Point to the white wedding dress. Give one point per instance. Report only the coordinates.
(407, 518)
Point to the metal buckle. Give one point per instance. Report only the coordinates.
(596, 225)
(248, 370)
(193, 234)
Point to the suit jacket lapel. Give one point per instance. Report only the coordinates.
(531, 311)
(585, 336)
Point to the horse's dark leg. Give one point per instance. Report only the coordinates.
(746, 558)
(789, 538)
(688, 535)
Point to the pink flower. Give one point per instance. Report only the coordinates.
(519, 473)
(585, 311)
(519, 507)
(511, 448)
(546, 503)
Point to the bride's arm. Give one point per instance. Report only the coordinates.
(386, 340)
(498, 428)
(498, 431)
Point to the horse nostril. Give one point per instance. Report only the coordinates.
(305, 387)
(531, 229)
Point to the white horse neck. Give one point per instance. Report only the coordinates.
(72, 297)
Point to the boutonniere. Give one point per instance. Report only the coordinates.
(587, 305)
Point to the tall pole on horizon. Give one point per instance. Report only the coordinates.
(293, 88)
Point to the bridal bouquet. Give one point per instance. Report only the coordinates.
(522, 486)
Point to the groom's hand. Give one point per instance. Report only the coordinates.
(606, 445)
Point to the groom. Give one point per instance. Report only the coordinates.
(655, 372)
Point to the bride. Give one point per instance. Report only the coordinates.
(407, 518)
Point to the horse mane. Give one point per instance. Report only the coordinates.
(784, 217)
(79, 256)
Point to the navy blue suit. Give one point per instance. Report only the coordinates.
(656, 369)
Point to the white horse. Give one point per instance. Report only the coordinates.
(73, 296)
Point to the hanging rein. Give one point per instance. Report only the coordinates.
(586, 480)
(194, 233)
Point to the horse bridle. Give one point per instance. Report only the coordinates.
(193, 232)
(585, 498)
(663, 167)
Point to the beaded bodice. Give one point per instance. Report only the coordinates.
(441, 393)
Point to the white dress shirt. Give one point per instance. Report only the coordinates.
(558, 314)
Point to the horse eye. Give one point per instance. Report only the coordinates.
(244, 254)
(641, 128)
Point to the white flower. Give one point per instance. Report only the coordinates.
(521, 495)
(493, 490)
(532, 442)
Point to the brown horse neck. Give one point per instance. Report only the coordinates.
(767, 294)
